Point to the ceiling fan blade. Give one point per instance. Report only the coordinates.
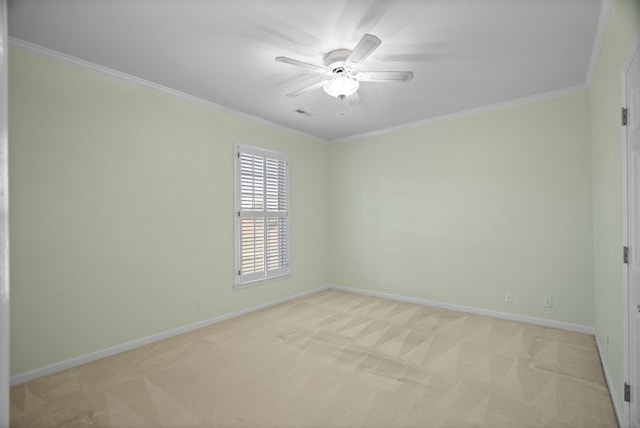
(384, 76)
(307, 89)
(308, 66)
(367, 44)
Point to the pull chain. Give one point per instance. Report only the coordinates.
(341, 105)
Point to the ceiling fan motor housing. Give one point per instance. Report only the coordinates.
(341, 64)
(335, 60)
(342, 84)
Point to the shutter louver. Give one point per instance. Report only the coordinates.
(252, 245)
(276, 249)
(263, 227)
(251, 182)
(276, 185)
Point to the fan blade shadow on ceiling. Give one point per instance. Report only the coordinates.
(373, 14)
(313, 67)
(369, 16)
(309, 88)
(278, 33)
(435, 60)
(416, 57)
(360, 17)
(369, 99)
(277, 85)
(384, 76)
(432, 52)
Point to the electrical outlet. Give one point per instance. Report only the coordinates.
(508, 297)
(548, 302)
(199, 304)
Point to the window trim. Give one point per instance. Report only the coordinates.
(281, 273)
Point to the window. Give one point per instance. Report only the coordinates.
(262, 215)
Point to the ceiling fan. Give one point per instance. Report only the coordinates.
(341, 67)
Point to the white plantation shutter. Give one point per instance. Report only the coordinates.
(262, 236)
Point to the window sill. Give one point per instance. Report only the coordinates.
(248, 284)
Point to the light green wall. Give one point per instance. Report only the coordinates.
(464, 210)
(624, 25)
(121, 211)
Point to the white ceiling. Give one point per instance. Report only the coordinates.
(465, 54)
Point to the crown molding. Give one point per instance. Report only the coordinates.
(598, 41)
(603, 20)
(468, 113)
(70, 60)
(59, 57)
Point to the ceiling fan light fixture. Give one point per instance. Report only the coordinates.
(341, 86)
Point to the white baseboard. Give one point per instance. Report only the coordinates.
(504, 315)
(607, 378)
(93, 356)
(107, 352)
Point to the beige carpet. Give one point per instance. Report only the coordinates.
(335, 359)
